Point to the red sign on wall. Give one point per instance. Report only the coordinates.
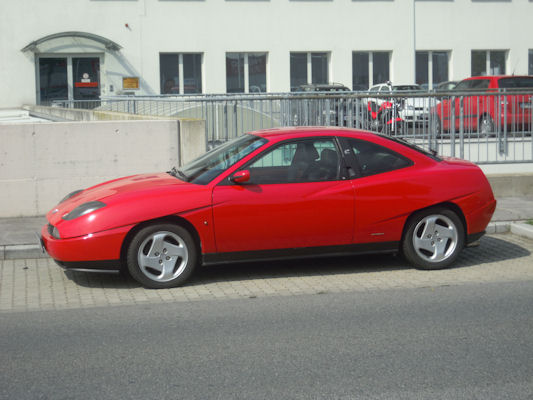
(86, 84)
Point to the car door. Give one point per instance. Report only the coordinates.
(469, 107)
(297, 197)
(381, 187)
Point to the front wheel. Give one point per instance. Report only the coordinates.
(161, 256)
(433, 239)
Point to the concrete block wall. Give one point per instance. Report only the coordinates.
(41, 163)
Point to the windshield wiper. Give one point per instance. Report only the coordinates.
(175, 172)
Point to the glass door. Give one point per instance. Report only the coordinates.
(53, 81)
(86, 76)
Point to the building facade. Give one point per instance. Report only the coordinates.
(83, 49)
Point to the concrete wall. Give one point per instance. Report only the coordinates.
(41, 163)
(511, 185)
(74, 114)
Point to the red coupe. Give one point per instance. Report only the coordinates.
(279, 193)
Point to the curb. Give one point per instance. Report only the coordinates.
(20, 251)
(522, 229)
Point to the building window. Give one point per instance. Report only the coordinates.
(370, 68)
(431, 68)
(180, 73)
(488, 62)
(246, 72)
(309, 68)
(530, 63)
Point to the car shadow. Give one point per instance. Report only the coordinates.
(492, 249)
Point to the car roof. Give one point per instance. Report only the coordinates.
(497, 77)
(298, 132)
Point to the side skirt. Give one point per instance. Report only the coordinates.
(301, 252)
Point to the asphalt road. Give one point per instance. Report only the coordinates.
(452, 342)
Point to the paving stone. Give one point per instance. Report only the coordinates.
(39, 284)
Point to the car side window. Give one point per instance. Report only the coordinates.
(375, 159)
(310, 160)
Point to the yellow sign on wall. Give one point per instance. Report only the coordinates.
(131, 83)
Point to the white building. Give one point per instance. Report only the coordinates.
(80, 49)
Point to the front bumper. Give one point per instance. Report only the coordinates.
(100, 251)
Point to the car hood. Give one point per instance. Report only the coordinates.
(129, 200)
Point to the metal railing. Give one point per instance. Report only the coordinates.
(484, 127)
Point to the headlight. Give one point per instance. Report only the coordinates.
(52, 230)
(68, 196)
(83, 209)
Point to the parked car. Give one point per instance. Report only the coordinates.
(278, 193)
(482, 105)
(324, 106)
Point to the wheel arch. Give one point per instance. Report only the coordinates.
(446, 204)
(172, 219)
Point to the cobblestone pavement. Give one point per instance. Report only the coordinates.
(39, 284)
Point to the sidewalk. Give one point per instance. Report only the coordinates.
(18, 239)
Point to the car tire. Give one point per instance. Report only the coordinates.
(162, 256)
(486, 126)
(433, 238)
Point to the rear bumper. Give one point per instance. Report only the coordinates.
(478, 219)
(472, 240)
(95, 251)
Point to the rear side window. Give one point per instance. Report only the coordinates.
(515, 83)
(375, 159)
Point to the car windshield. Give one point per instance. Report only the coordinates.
(208, 166)
(516, 82)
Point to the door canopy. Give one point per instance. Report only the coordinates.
(70, 42)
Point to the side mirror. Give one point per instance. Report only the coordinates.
(241, 176)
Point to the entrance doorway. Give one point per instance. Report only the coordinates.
(68, 78)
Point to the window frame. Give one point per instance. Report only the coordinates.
(431, 66)
(341, 166)
(309, 64)
(371, 54)
(246, 69)
(488, 54)
(353, 164)
(181, 72)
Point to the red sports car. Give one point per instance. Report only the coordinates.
(279, 193)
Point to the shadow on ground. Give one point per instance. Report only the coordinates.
(492, 249)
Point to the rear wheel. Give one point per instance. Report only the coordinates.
(486, 125)
(161, 256)
(433, 239)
